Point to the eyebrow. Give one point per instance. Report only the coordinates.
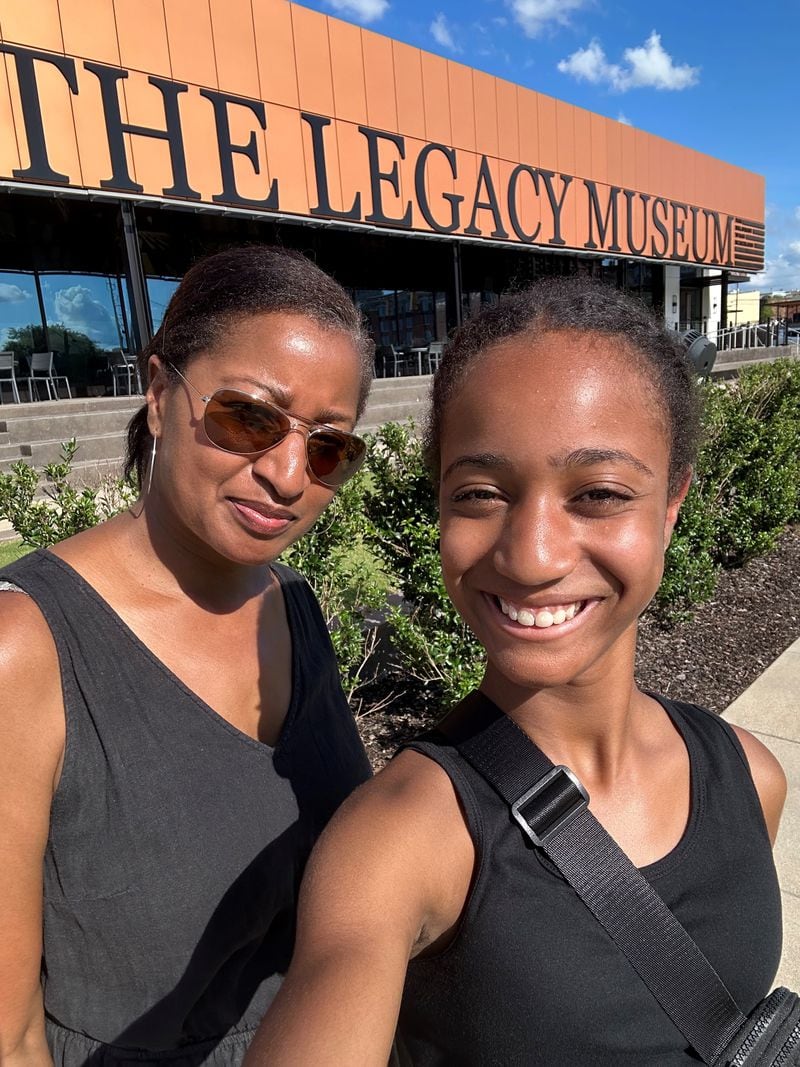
(488, 460)
(589, 457)
(283, 398)
(580, 457)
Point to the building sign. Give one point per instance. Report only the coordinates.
(139, 133)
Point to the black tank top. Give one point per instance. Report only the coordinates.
(532, 977)
(177, 843)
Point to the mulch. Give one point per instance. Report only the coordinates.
(709, 659)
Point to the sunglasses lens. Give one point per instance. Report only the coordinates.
(334, 457)
(236, 423)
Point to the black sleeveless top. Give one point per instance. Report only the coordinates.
(177, 843)
(532, 977)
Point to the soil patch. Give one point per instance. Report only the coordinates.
(709, 659)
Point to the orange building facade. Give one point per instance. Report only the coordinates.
(136, 135)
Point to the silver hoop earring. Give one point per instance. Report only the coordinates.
(151, 468)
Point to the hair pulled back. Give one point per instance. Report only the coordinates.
(579, 305)
(229, 286)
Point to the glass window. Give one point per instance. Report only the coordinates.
(159, 292)
(379, 309)
(21, 329)
(85, 310)
(87, 316)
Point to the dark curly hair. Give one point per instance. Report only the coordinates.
(579, 305)
(230, 286)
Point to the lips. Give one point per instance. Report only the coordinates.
(262, 518)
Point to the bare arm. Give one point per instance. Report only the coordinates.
(31, 747)
(388, 876)
(769, 779)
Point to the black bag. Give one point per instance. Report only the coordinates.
(554, 814)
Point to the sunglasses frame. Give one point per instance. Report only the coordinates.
(307, 426)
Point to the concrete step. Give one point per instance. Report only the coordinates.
(396, 399)
(756, 355)
(10, 412)
(724, 369)
(379, 414)
(64, 425)
(91, 448)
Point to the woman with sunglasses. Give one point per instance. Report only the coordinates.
(174, 736)
(562, 438)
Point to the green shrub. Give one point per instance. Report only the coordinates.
(746, 489)
(65, 509)
(749, 469)
(690, 568)
(338, 557)
(432, 642)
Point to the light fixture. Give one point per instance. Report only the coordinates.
(674, 303)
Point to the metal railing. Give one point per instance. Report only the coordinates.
(747, 335)
(756, 335)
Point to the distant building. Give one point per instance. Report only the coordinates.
(743, 308)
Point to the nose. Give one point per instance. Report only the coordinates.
(284, 467)
(539, 544)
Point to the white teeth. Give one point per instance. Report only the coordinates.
(540, 619)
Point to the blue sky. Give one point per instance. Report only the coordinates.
(718, 77)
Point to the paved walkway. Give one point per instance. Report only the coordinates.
(770, 709)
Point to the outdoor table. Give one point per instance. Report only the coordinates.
(419, 352)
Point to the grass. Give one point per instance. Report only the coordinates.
(11, 550)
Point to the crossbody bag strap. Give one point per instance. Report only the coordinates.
(551, 807)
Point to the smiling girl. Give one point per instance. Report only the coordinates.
(562, 436)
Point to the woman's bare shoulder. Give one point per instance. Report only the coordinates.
(30, 680)
(768, 776)
(410, 785)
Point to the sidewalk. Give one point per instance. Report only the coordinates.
(770, 709)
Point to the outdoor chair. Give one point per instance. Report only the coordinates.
(8, 375)
(390, 362)
(124, 371)
(434, 357)
(41, 370)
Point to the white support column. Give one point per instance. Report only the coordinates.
(712, 305)
(672, 294)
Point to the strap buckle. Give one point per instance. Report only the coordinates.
(550, 804)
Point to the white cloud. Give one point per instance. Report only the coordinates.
(365, 10)
(651, 66)
(12, 294)
(796, 212)
(78, 310)
(647, 66)
(534, 15)
(782, 267)
(442, 34)
(624, 119)
(590, 64)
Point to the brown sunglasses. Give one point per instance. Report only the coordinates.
(247, 426)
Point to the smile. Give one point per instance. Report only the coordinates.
(541, 618)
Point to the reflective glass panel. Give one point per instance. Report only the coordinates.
(159, 292)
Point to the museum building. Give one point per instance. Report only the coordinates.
(138, 135)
